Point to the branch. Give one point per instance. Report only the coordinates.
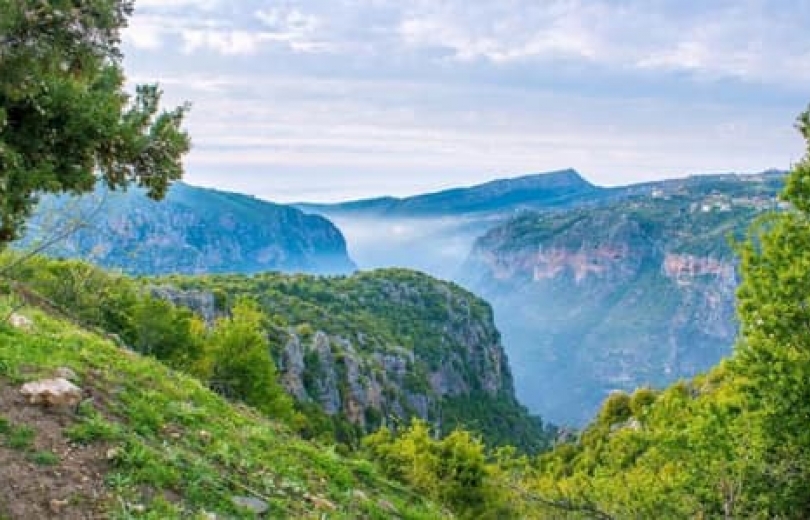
(58, 237)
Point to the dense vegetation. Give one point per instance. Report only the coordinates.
(159, 445)
(432, 326)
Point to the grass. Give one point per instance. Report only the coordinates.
(178, 450)
(44, 458)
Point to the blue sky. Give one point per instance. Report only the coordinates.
(337, 99)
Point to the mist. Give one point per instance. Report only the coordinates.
(437, 246)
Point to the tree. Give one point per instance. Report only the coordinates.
(65, 120)
(239, 362)
(773, 355)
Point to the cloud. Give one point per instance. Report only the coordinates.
(359, 94)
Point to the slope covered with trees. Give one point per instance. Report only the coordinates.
(191, 230)
(355, 352)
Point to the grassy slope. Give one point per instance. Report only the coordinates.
(172, 448)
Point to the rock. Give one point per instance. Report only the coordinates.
(113, 453)
(57, 505)
(359, 495)
(320, 502)
(252, 504)
(65, 373)
(18, 321)
(52, 392)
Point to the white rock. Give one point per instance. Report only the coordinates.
(18, 321)
(52, 392)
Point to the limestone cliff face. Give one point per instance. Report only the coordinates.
(194, 230)
(609, 298)
(343, 376)
(380, 347)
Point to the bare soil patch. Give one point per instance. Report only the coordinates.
(71, 488)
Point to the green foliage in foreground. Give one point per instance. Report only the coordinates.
(165, 432)
(231, 357)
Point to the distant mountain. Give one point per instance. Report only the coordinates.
(559, 188)
(435, 232)
(576, 321)
(632, 292)
(194, 230)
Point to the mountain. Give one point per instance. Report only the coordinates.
(194, 230)
(381, 347)
(559, 188)
(435, 232)
(552, 326)
(633, 292)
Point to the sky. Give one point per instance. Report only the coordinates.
(326, 100)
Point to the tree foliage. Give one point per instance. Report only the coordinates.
(239, 362)
(774, 351)
(65, 118)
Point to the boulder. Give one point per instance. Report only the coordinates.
(52, 392)
(18, 321)
(256, 506)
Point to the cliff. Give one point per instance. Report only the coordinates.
(638, 291)
(194, 230)
(381, 347)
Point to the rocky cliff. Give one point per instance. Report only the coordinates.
(638, 291)
(194, 230)
(381, 347)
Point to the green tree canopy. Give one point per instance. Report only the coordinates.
(774, 350)
(66, 121)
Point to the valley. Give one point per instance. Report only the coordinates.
(606, 289)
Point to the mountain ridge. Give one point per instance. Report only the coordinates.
(497, 194)
(193, 230)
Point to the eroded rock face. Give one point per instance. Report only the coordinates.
(641, 293)
(202, 303)
(346, 377)
(52, 392)
(684, 268)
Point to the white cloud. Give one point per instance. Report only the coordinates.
(424, 93)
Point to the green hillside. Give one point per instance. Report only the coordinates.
(157, 444)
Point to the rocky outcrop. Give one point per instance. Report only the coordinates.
(203, 303)
(686, 269)
(193, 230)
(617, 297)
(378, 347)
(335, 373)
